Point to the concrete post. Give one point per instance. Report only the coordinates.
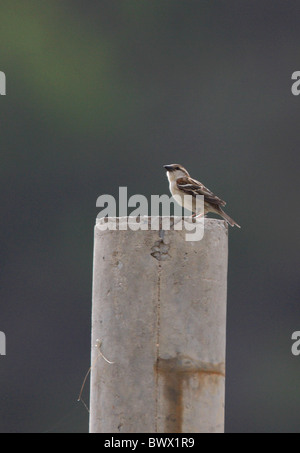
(159, 314)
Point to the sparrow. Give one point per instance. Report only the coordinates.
(181, 183)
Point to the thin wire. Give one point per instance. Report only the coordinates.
(100, 354)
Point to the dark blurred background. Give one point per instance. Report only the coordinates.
(101, 94)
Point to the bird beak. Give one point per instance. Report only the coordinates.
(168, 167)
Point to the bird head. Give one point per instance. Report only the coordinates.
(175, 171)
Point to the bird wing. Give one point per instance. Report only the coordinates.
(193, 187)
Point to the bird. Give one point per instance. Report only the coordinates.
(181, 184)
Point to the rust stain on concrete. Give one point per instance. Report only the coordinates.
(177, 372)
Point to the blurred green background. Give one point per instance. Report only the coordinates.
(101, 94)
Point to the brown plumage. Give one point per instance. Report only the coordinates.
(182, 184)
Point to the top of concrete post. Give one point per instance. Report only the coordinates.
(193, 229)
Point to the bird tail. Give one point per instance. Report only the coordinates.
(228, 219)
